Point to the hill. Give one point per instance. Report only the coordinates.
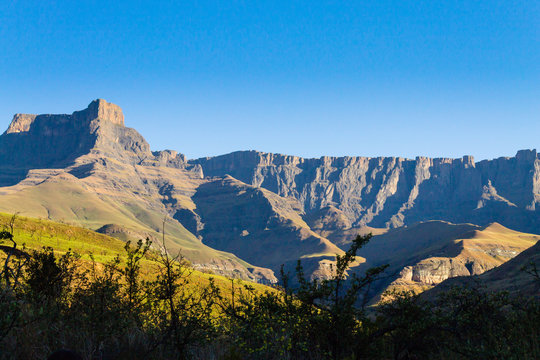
(519, 276)
(425, 254)
(34, 234)
(260, 227)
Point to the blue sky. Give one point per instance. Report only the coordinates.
(309, 78)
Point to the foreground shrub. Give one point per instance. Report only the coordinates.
(110, 311)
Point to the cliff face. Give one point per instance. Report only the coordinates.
(39, 141)
(391, 192)
(56, 141)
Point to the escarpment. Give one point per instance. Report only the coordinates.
(392, 192)
(247, 213)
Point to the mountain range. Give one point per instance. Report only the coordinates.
(246, 213)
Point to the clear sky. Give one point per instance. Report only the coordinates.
(309, 78)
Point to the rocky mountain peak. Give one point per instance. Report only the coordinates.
(56, 140)
(105, 111)
(526, 156)
(83, 137)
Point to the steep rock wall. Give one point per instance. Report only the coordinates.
(393, 191)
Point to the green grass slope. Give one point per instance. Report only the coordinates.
(34, 234)
(66, 199)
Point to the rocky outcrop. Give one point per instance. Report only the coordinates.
(516, 179)
(20, 123)
(169, 158)
(392, 192)
(55, 141)
(517, 276)
(426, 254)
(103, 110)
(125, 234)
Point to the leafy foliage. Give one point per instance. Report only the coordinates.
(111, 311)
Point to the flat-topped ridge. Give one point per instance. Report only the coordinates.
(98, 109)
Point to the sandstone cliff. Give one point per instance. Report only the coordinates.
(391, 192)
(426, 254)
(519, 276)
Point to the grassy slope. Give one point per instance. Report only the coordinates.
(436, 243)
(510, 276)
(36, 233)
(65, 199)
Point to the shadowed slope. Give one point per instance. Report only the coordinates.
(333, 224)
(258, 225)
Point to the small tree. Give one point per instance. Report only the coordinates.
(318, 319)
(134, 294)
(12, 270)
(341, 302)
(49, 277)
